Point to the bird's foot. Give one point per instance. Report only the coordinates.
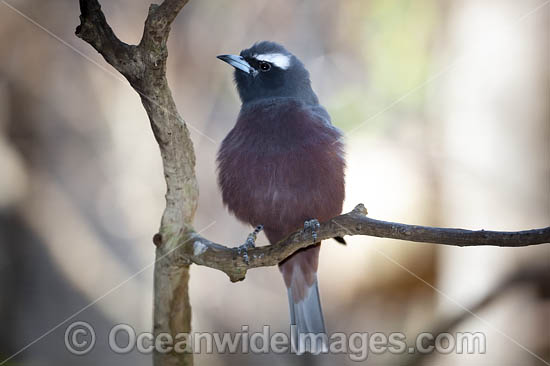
(311, 227)
(249, 243)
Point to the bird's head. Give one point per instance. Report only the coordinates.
(268, 70)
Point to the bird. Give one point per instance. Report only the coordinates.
(282, 168)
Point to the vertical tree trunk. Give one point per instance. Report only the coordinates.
(172, 310)
(144, 66)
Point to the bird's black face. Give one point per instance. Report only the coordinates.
(268, 70)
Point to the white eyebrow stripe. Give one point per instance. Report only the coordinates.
(277, 59)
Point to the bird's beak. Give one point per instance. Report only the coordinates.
(238, 62)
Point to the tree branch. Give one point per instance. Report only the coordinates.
(235, 264)
(144, 66)
(95, 30)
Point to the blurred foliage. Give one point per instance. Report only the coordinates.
(394, 40)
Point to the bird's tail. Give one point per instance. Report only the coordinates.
(308, 331)
(299, 271)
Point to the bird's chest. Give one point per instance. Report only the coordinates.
(263, 160)
(280, 169)
(264, 168)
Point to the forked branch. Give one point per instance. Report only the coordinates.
(144, 66)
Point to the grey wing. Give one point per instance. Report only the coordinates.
(320, 111)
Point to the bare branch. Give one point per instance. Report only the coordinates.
(144, 66)
(95, 30)
(235, 264)
(157, 24)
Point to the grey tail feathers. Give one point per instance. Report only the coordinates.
(308, 332)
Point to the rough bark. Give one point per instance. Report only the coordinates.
(144, 66)
(234, 263)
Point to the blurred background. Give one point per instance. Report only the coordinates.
(445, 109)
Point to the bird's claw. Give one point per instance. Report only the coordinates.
(311, 226)
(249, 243)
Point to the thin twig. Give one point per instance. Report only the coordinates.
(213, 255)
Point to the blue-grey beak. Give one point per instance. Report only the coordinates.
(238, 62)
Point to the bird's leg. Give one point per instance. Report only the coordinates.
(250, 242)
(251, 239)
(311, 227)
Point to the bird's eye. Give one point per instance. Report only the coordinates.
(264, 66)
